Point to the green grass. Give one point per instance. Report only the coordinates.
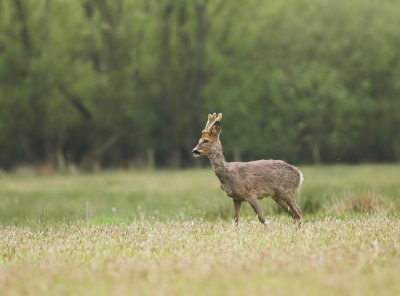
(187, 194)
(171, 233)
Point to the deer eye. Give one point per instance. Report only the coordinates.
(205, 141)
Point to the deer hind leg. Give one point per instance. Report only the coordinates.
(287, 202)
(256, 207)
(298, 208)
(284, 205)
(297, 212)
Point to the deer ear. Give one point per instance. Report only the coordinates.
(216, 129)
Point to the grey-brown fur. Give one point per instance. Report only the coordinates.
(250, 181)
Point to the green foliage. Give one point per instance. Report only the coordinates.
(114, 82)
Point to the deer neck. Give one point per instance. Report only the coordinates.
(218, 162)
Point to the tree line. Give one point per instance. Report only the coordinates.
(131, 82)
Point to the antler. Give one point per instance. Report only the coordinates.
(212, 119)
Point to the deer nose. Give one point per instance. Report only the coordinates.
(195, 152)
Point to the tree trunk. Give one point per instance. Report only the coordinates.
(236, 155)
(150, 158)
(315, 150)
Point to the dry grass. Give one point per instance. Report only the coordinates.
(171, 233)
(363, 202)
(357, 256)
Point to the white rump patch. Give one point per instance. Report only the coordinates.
(301, 178)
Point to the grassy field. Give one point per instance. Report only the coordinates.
(171, 233)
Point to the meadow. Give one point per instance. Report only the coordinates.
(168, 232)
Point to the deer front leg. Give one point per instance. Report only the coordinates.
(256, 207)
(237, 205)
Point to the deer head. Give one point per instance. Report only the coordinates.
(210, 135)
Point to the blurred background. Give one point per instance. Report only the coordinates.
(129, 83)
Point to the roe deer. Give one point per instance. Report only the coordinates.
(250, 181)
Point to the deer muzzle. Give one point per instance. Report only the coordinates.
(195, 152)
